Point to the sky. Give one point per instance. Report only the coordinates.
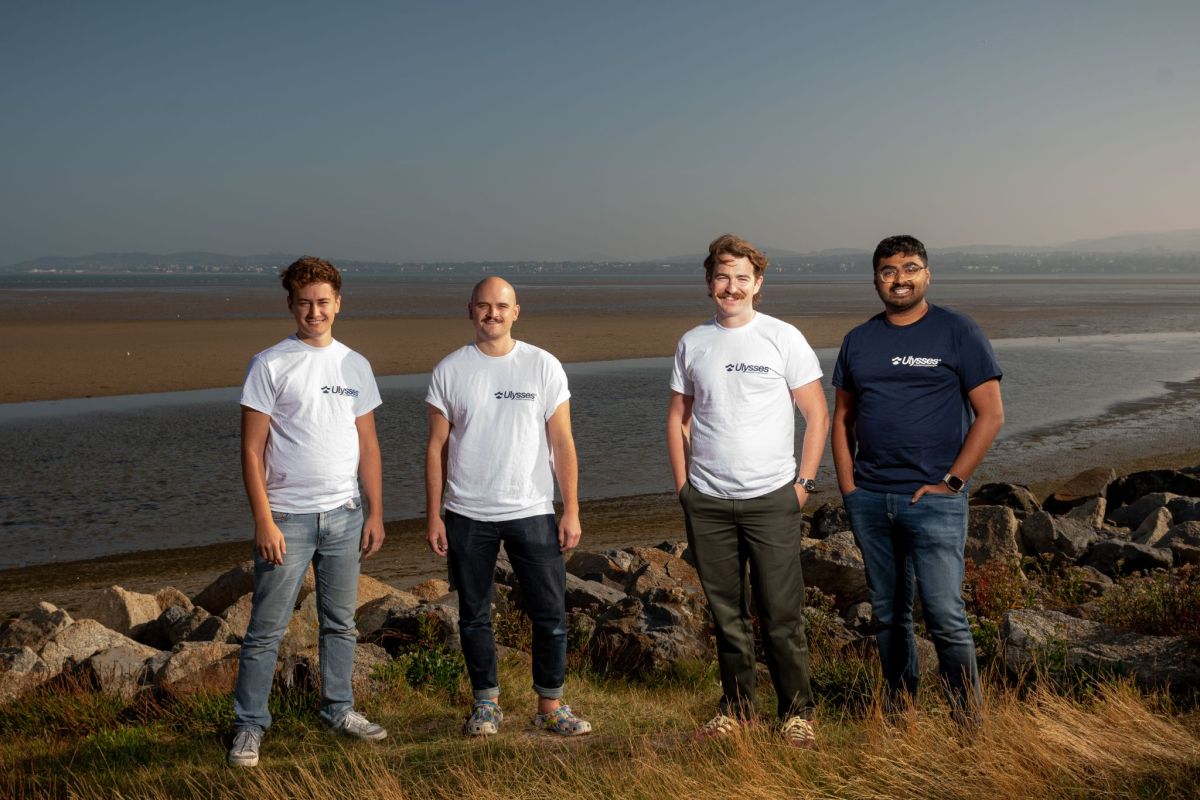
(418, 131)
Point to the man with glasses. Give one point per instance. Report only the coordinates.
(917, 407)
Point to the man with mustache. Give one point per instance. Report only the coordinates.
(909, 381)
(499, 436)
(737, 381)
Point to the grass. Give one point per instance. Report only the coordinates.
(67, 742)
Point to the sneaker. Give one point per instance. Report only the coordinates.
(244, 750)
(356, 725)
(562, 721)
(485, 719)
(798, 732)
(718, 727)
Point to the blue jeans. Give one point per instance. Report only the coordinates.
(907, 548)
(330, 541)
(532, 546)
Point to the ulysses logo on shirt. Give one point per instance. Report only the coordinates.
(342, 390)
(915, 361)
(509, 394)
(740, 367)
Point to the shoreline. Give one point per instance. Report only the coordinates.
(405, 560)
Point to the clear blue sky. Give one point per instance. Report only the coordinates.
(560, 130)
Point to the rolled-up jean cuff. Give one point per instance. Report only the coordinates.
(487, 694)
(549, 694)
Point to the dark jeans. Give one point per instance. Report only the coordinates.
(532, 546)
(762, 533)
(907, 548)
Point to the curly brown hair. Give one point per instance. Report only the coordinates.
(310, 269)
(734, 245)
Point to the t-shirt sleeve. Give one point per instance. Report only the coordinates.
(977, 361)
(258, 390)
(680, 380)
(556, 391)
(800, 364)
(368, 399)
(436, 396)
(843, 378)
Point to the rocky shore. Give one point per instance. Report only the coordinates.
(639, 610)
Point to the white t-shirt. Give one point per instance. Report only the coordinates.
(313, 396)
(743, 415)
(500, 462)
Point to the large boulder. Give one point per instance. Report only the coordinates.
(34, 627)
(430, 590)
(373, 615)
(1128, 488)
(170, 596)
(199, 666)
(1035, 638)
(120, 671)
(835, 566)
(613, 568)
(1090, 512)
(1084, 486)
(237, 581)
(237, 615)
(1012, 495)
(828, 519)
(992, 534)
(642, 636)
(585, 595)
(1114, 557)
(426, 624)
(372, 589)
(1131, 516)
(80, 640)
(1043, 533)
(124, 611)
(21, 670)
(1154, 527)
(1184, 509)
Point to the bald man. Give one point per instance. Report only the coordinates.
(499, 436)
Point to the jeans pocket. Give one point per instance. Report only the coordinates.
(353, 504)
(280, 516)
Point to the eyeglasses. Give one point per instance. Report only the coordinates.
(889, 274)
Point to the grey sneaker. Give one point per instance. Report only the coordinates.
(485, 719)
(244, 750)
(356, 725)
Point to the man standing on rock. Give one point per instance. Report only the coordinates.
(308, 444)
(737, 381)
(909, 381)
(499, 435)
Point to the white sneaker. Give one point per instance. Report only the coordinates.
(244, 750)
(356, 725)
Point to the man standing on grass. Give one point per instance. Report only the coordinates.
(908, 382)
(499, 435)
(308, 444)
(737, 381)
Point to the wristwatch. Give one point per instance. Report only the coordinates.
(809, 484)
(953, 482)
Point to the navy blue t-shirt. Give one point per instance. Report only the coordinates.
(911, 382)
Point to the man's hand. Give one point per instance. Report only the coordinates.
(569, 531)
(372, 537)
(435, 534)
(269, 542)
(931, 488)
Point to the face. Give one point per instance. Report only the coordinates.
(733, 286)
(315, 306)
(906, 291)
(493, 310)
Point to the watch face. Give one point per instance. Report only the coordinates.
(954, 482)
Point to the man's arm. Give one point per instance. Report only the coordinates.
(370, 477)
(679, 420)
(810, 399)
(988, 406)
(268, 540)
(436, 455)
(843, 441)
(566, 472)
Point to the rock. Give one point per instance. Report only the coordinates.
(120, 671)
(1113, 557)
(372, 589)
(676, 549)
(642, 636)
(213, 629)
(226, 589)
(238, 615)
(1044, 533)
(992, 534)
(80, 640)
(1131, 516)
(1012, 495)
(1090, 512)
(34, 627)
(677, 571)
(859, 617)
(867, 649)
(1185, 553)
(583, 595)
(1128, 488)
(427, 625)
(1034, 638)
(1154, 527)
(613, 568)
(303, 670)
(1093, 581)
(430, 590)
(373, 615)
(1184, 509)
(171, 627)
(828, 519)
(123, 611)
(199, 666)
(21, 670)
(1087, 484)
(835, 566)
(1183, 533)
(303, 630)
(170, 596)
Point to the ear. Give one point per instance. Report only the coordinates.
(516, 311)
